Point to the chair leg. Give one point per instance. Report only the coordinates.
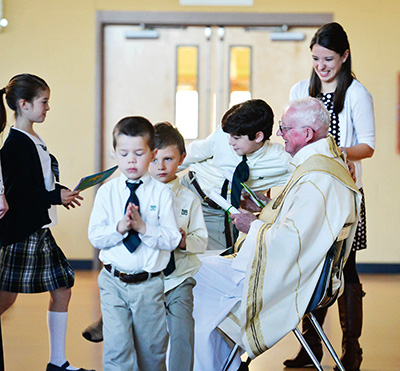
(302, 360)
(327, 343)
(230, 358)
(305, 345)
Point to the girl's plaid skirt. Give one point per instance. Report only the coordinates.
(34, 265)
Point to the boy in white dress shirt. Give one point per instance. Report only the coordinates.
(135, 243)
(179, 284)
(245, 131)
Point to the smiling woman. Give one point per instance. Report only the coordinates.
(353, 127)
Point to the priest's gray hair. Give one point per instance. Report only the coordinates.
(311, 112)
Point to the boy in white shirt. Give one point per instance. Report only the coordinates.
(135, 243)
(244, 135)
(179, 284)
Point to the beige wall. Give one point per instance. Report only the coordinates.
(56, 40)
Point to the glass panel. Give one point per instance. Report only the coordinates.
(239, 74)
(187, 96)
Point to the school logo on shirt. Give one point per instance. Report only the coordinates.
(184, 212)
(153, 207)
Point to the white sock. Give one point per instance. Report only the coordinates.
(57, 326)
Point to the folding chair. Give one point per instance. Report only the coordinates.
(325, 294)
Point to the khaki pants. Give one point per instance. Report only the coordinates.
(134, 322)
(179, 302)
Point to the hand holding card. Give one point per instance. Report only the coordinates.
(91, 180)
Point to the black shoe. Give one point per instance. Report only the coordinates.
(51, 367)
(302, 360)
(94, 332)
(88, 336)
(244, 366)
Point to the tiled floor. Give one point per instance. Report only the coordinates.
(26, 344)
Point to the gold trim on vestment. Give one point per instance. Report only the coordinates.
(234, 318)
(253, 326)
(318, 163)
(298, 267)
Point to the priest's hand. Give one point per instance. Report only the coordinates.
(243, 220)
(248, 203)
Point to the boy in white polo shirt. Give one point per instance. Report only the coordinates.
(179, 284)
(135, 243)
(244, 134)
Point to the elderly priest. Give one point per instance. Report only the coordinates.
(262, 292)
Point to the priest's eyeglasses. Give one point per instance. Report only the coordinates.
(285, 129)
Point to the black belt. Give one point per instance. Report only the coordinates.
(131, 278)
(205, 198)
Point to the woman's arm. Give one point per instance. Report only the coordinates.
(363, 122)
(358, 152)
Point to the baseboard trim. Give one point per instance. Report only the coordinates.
(378, 268)
(369, 268)
(81, 265)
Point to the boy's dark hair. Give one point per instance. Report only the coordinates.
(24, 86)
(168, 135)
(248, 118)
(135, 126)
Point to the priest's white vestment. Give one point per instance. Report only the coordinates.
(270, 281)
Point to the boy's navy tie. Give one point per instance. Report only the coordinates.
(171, 265)
(240, 175)
(132, 241)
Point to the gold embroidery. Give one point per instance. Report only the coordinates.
(317, 163)
(298, 266)
(234, 318)
(255, 298)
